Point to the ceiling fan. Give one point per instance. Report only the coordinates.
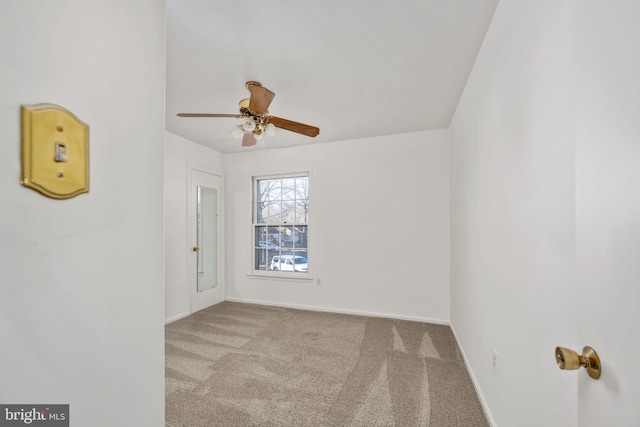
(257, 121)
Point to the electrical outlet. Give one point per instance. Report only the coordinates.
(495, 360)
(317, 282)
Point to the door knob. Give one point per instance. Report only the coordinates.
(569, 360)
(195, 249)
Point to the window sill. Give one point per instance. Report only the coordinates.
(289, 277)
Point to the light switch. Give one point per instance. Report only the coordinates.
(55, 151)
(60, 152)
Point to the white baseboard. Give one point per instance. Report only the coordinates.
(341, 311)
(483, 401)
(177, 317)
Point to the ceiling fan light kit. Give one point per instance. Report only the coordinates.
(237, 132)
(248, 124)
(256, 121)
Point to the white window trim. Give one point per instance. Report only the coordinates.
(287, 276)
(270, 274)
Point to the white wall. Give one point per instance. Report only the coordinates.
(379, 230)
(82, 297)
(180, 154)
(513, 214)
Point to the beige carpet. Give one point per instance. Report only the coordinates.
(235, 365)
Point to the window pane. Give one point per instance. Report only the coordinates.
(302, 211)
(262, 212)
(300, 256)
(268, 238)
(300, 263)
(261, 235)
(261, 259)
(288, 188)
(288, 212)
(262, 190)
(302, 187)
(275, 190)
(268, 189)
(287, 237)
(274, 212)
(300, 236)
(267, 212)
(274, 235)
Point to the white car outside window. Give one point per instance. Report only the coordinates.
(289, 263)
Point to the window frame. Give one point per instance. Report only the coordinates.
(254, 239)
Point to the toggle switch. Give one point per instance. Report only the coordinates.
(61, 152)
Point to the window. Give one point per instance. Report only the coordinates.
(280, 223)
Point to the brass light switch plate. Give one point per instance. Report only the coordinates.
(55, 151)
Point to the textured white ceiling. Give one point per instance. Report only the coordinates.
(353, 68)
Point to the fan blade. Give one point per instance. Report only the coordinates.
(208, 115)
(261, 98)
(248, 140)
(294, 126)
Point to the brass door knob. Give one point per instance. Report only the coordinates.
(195, 249)
(568, 359)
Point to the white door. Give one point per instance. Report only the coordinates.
(607, 118)
(205, 236)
